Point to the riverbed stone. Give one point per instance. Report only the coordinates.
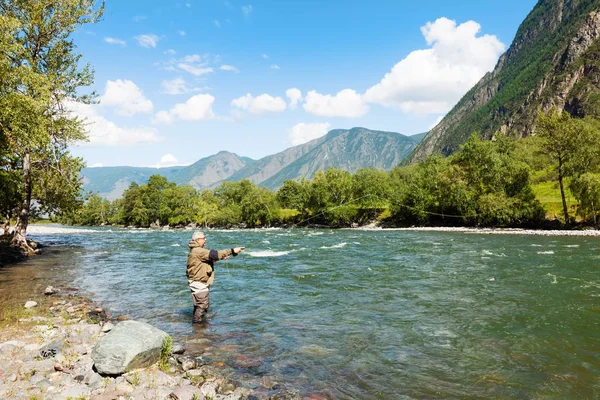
(209, 389)
(31, 304)
(178, 348)
(187, 392)
(130, 345)
(49, 291)
(187, 363)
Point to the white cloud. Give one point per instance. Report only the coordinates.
(431, 81)
(275, 66)
(195, 70)
(96, 165)
(217, 23)
(170, 52)
(302, 133)
(193, 64)
(265, 56)
(102, 132)
(168, 160)
(139, 18)
(247, 9)
(197, 108)
(149, 40)
(177, 86)
(346, 103)
(181, 33)
(295, 96)
(127, 97)
(259, 104)
(229, 68)
(115, 41)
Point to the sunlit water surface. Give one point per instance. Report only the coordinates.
(364, 314)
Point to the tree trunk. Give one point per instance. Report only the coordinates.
(562, 191)
(19, 235)
(6, 226)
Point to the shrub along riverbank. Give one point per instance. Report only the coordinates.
(499, 183)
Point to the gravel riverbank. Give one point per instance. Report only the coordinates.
(46, 353)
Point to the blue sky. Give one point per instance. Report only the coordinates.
(179, 81)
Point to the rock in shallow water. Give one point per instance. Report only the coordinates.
(129, 345)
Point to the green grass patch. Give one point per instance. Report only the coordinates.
(548, 193)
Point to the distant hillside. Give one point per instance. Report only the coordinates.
(111, 182)
(349, 150)
(554, 60)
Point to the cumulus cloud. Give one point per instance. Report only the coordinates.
(168, 160)
(115, 41)
(431, 81)
(126, 97)
(177, 86)
(295, 96)
(247, 9)
(346, 103)
(229, 68)
(275, 66)
(197, 108)
(102, 132)
(259, 104)
(148, 40)
(302, 132)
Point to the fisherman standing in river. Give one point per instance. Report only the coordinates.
(201, 273)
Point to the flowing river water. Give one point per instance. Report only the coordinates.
(351, 314)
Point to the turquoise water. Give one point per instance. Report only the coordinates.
(348, 314)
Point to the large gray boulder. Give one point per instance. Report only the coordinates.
(129, 345)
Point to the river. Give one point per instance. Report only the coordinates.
(351, 314)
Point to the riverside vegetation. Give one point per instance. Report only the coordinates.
(487, 183)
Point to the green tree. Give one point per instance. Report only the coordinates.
(587, 190)
(43, 75)
(559, 140)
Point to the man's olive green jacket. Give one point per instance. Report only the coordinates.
(200, 262)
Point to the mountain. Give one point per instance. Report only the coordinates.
(210, 171)
(554, 60)
(347, 149)
(111, 182)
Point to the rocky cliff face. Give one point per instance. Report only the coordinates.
(209, 171)
(349, 150)
(553, 61)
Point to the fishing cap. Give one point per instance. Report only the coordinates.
(198, 235)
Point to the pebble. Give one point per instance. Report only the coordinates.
(178, 348)
(49, 291)
(30, 304)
